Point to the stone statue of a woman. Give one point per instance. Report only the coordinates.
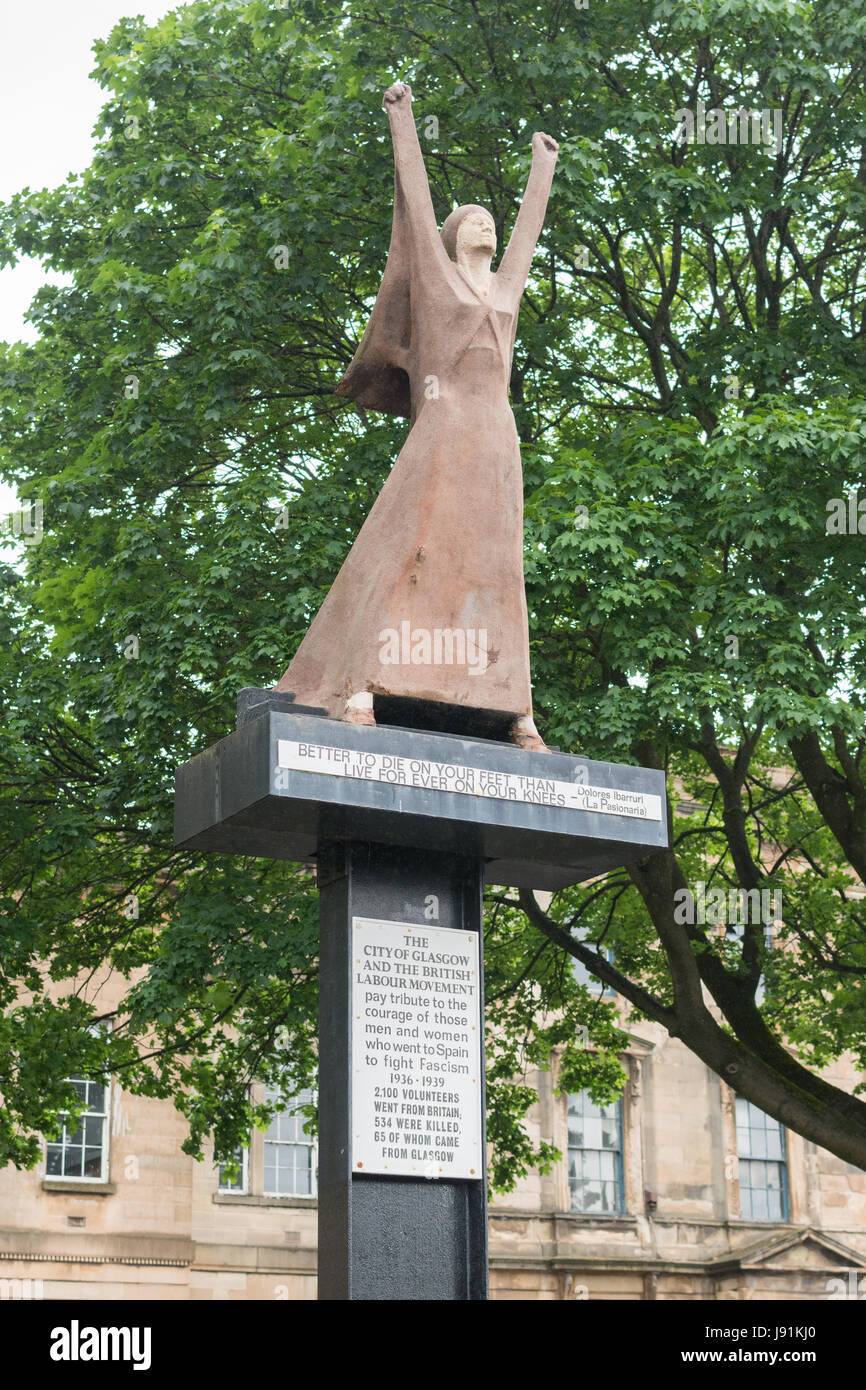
(429, 605)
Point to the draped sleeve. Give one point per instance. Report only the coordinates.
(377, 377)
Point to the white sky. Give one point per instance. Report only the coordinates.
(48, 108)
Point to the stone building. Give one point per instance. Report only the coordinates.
(680, 1191)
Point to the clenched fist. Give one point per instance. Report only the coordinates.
(540, 141)
(398, 91)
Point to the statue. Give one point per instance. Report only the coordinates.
(428, 611)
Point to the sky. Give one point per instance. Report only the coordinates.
(48, 108)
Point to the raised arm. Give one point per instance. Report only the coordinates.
(410, 184)
(514, 266)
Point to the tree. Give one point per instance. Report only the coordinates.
(688, 387)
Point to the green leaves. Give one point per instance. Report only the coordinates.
(688, 386)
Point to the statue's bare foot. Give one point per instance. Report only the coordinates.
(359, 709)
(525, 735)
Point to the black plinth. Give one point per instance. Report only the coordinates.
(236, 798)
(397, 819)
(388, 1237)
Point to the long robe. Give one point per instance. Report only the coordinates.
(441, 551)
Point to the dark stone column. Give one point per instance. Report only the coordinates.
(386, 1237)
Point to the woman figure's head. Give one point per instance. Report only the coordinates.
(469, 229)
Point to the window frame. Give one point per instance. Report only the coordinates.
(105, 1147)
(305, 1097)
(244, 1189)
(781, 1163)
(619, 1161)
(582, 974)
(253, 1163)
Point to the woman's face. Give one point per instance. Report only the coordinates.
(476, 232)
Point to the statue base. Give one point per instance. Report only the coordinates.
(289, 779)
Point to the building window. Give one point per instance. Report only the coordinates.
(82, 1151)
(582, 973)
(290, 1152)
(736, 931)
(594, 1156)
(279, 1163)
(241, 1181)
(762, 1169)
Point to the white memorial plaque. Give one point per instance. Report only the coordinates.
(416, 1034)
(468, 781)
